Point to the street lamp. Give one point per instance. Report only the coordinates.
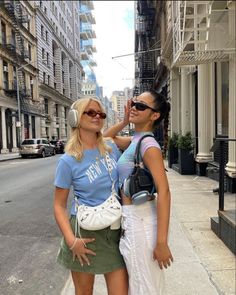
(18, 123)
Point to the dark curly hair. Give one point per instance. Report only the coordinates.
(163, 107)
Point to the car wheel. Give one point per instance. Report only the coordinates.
(23, 156)
(43, 154)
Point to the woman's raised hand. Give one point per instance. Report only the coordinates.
(127, 112)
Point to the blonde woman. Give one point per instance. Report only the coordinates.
(83, 167)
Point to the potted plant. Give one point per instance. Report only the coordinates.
(185, 154)
(172, 149)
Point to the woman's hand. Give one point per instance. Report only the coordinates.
(79, 249)
(127, 112)
(163, 255)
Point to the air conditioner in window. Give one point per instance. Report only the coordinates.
(5, 69)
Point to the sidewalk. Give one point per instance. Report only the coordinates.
(203, 265)
(9, 156)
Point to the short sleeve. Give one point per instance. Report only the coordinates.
(63, 176)
(147, 143)
(115, 151)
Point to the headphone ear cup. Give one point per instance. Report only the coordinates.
(73, 118)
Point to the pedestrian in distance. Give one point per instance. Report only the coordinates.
(83, 168)
(144, 244)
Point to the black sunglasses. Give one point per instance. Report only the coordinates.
(93, 113)
(141, 106)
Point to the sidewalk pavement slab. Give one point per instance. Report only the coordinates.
(9, 156)
(203, 265)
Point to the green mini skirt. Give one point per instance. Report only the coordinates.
(106, 247)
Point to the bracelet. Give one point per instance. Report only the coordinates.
(74, 243)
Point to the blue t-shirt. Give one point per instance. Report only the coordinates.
(89, 177)
(125, 164)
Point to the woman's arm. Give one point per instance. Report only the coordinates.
(78, 246)
(161, 252)
(121, 141)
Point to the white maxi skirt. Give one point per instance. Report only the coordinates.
(139, 224)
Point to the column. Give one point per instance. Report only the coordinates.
(14, 148)
(204, 117)
(185, 102)
(4, 149)
(175, 100)
(58, 69)
(62, 122)
(231, 165)
(38, 121)
(30, 126)
(66, 77)
(74, 78)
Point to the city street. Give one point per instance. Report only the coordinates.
(29, 237)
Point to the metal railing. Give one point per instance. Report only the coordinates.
(219, 143)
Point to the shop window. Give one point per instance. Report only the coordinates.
(222, 89)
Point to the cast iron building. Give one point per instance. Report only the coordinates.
(18, 58)
(186, 50)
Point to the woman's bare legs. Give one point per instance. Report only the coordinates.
(83, 283)
(117, 282)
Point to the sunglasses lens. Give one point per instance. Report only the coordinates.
(139, 106)
(92, 113)
(103, 115)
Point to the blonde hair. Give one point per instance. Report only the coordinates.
(74, 146)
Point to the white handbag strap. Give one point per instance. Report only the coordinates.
(109, 166)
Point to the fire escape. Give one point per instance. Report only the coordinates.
(200, 32)
(145, 61)
(19, 54)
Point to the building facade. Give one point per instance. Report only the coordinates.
(41, 73)
(60, 70)
(20, 108)
(193, 45)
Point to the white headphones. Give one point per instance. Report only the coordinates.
(73, 117)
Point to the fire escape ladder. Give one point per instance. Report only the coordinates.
(195, 30)
(145, 61)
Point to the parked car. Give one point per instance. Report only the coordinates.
(59, 145)
(38, 147)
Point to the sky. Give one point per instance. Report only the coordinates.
(114, 37)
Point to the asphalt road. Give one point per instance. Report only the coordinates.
(29, 237)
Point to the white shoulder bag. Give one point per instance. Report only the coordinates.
(103, 215)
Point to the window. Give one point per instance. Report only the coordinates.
(48, 79)
(29, 49)
(13, 38)
(54, 69)
(4, 37)
(46, 105)
(31, 86)
(5, 76)
(43, 53)
(57, 110)
(46, 36)
(44, 77)
(47, 58)
(222, 98)
(42, 31)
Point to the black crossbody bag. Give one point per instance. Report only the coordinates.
(139, 186)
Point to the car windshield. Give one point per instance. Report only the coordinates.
(29, 141)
